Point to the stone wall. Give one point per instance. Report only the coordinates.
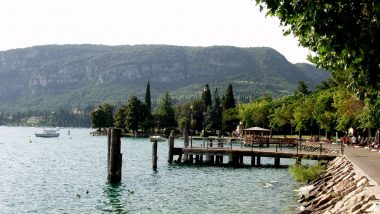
(341, 190)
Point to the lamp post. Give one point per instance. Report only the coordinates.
(191, 126)
(204, 115)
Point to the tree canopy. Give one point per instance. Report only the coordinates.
(342, 34)
(166, 113)
(102, 116)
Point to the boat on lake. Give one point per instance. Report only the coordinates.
(157, 138)
(47, 133)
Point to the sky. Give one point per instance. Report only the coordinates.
(26, 23)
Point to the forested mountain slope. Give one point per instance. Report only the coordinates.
(83, 75)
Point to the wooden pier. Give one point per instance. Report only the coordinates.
(235, 155)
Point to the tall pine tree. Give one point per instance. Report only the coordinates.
(206, 96)
(148, 102)
(229, 100)
(214, 118)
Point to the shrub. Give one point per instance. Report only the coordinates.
(306, 173)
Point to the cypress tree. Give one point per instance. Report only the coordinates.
(147, 98)
(229, 100)
(215, 114)
(206, 96)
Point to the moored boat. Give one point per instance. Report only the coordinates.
(47, 133)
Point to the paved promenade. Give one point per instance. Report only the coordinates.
(367, 160)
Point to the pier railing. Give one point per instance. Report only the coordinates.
(212, 151)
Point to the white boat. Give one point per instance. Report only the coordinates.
(157, 138)
(47, 133)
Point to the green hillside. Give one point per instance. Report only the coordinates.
(83, 75)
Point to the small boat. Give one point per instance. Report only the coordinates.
(47, 133)
(157, 138)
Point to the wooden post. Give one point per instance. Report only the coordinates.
(209, 157)
(191, 159)
(154, 155)
(253, 160)
(230, 159)
(258, 163)
(277, 161)
(185, 145)
(171, 147)
(115, 157)
(241, 159)
(108, 148)
(197, 160)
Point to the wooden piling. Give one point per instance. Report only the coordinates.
(258, 162)
(241, 160)
(253, 160)
(154, 155)
(115, 157)
(277, 161)
(171, 147)
(185, 145)
(209, 157)
(230, 159)
(108, 148)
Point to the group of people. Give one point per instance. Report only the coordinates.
(357, 141)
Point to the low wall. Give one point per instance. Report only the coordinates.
(342, 188)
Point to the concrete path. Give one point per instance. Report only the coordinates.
(367, 160)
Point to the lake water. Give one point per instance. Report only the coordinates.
(45, 175)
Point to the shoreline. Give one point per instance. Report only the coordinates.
(342, 188)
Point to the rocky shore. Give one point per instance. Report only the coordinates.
(342, 188)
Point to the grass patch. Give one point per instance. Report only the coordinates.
(306, 173)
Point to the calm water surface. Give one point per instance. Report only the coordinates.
(45, 175)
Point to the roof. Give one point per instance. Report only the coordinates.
(257, 129)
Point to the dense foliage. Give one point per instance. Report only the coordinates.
(343, 36)
(102, 116)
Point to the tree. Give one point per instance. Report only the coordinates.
(148, 102)
(302, 88)
(119, 119)
(303, 115)
(324, 111)
(214, 115)
(102, 116)
(230, 119)
(229, 100)
(166, 113)
(256, 113)
(342, 34)
(182, 115)
(282, 113)
(206, 96)
(349, 110)
(133, 114)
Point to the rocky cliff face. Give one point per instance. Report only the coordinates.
(52, 75)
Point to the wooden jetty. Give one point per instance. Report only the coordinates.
(215, 155)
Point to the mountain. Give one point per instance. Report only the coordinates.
(41, 77)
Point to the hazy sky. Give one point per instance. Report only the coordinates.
(26, 23)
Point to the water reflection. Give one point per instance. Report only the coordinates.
(114, 194)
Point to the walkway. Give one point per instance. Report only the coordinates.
(368, 161)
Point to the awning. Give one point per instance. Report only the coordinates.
(257, 129)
